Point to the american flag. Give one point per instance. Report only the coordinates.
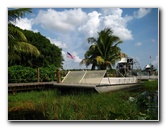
(70, 56)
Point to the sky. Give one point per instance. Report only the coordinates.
(69, 28)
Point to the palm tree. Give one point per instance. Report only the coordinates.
(104, 51)
(17, 41)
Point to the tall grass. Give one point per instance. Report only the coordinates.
(151, 85)
(73, 105)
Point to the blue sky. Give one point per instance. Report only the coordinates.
(69, 29)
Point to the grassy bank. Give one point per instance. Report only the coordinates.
(55, 105)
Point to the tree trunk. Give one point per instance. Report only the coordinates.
(93, 67)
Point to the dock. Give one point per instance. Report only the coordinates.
(14, 87)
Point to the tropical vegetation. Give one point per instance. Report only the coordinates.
(17, 41)
(28, 50)
(50, 54)
(104, 51)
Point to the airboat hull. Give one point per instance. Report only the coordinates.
(100, 88)
(107, 84)
(64, 85)
(116, 87)
(96, 80)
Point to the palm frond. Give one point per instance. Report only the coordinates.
(87, 62)
(91, 40)
(27, 48)
(17, 13)
(15, 34)
(99, 60)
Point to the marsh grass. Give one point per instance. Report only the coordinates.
(151, 85)
(74, 105)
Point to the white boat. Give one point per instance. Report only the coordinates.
(96, 80)
(117, 83)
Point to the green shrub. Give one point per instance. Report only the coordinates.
(18, 74)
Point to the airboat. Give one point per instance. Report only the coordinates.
(126, 72)
(149, 73)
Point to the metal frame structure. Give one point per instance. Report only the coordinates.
(84, 77)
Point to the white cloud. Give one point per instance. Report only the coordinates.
(123, 33)
(76, 20)
(63, 21)
(117, 23)
(90, 27)
(24, 23)
(57, 43)
(109, 17)
(142, 12)
(112, 11)
(138, 44)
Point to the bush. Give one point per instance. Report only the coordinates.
(18, 74)
(48, 74)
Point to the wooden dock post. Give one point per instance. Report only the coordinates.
(58, 76)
